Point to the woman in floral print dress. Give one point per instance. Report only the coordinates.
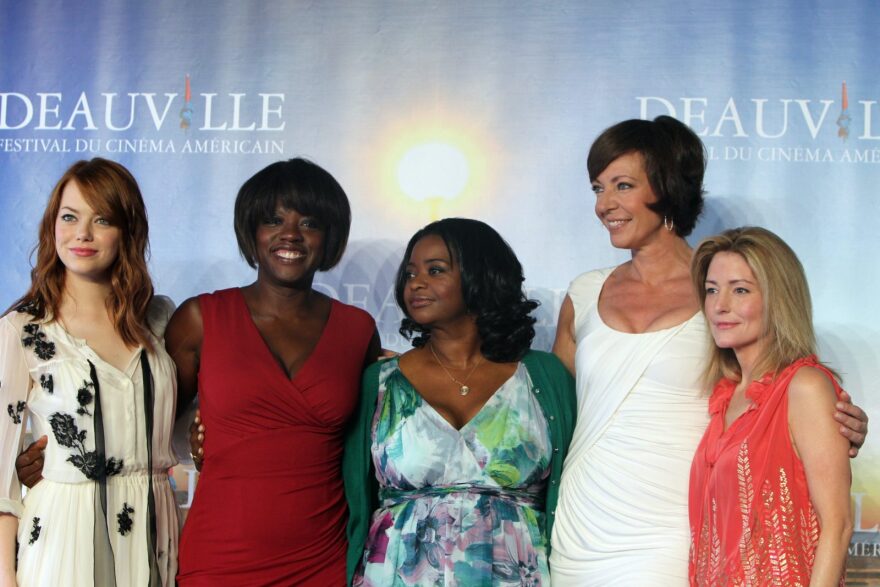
(82, 358)
(453, 462)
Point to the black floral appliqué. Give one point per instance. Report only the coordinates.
(123, 518)
(15, 411)
(35, 531)
(36, 338)
(84, 397)
(68, 434)
(27, 308)
(47, 383)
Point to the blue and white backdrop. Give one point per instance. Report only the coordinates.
(425, 109)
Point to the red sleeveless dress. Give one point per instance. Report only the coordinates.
(752, 522)
(269, 507)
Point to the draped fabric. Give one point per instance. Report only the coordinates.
(750, 512)
(269, 507)
(104, 512)
(622, 513)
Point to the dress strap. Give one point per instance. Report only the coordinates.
(147, 373)
(105, 565)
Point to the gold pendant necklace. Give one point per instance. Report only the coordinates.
(463, 389)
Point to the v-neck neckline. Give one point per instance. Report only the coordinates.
(292, 378)
(127, 372)
(440, 416)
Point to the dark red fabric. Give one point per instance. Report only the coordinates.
(269, 507)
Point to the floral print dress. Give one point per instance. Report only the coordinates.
(457, 507)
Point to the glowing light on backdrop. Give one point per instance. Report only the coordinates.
(432, 172)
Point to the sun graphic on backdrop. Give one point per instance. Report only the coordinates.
(434, 168)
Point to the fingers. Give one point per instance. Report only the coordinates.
(196, 439)
(29, 464)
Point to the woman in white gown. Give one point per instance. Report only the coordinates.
(635, 339)
(82, 359)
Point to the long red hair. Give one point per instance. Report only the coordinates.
(111, 191)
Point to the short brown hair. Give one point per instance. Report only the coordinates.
(675, 162)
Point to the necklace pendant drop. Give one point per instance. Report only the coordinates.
(464, 390)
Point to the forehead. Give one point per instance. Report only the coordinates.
(72, 197)
(631, 164)
(727, 266)
(431, 246)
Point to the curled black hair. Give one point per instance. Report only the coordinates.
(297, 184)
(675, 163)
(491, 283)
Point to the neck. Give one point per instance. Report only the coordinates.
(84, 296)
(278, 299)
(665, 257)
(457, 347)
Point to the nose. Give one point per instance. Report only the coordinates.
(605, 201)
(415, 282)
(720, 302)
(290, 230)
(84, 231)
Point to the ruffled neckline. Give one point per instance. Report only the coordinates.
(757, 390)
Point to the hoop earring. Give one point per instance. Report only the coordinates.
(669, 224)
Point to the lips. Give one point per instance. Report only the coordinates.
(419, 302)
(83, 252)
(288, 254)
(615, 224)
(725, 325)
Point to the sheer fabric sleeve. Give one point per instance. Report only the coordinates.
(15, 383)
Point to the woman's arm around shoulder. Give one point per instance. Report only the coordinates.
(183, 341)
(824, 453)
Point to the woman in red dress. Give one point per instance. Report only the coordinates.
(769, 490)
(277, 368)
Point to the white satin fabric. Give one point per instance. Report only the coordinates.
(622, 517)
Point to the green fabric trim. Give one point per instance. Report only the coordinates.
(553, 387)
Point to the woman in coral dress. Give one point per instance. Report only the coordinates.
(769, 489)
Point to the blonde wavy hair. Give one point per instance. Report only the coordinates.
(111, 190)
(788, 314)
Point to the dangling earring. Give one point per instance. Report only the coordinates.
(668, 223)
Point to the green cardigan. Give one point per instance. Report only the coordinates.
(553, 387)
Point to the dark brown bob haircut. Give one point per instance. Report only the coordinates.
(675, 162)
(296, 184)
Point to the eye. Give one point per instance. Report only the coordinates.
(597, 189)
(741, 290)
(273, 220)
(623, 185)
(68, 217)
(102, 221)
(311, 223)
(435, 270)
(710, 290)
(407, 275)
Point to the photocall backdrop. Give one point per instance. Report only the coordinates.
(481, 109)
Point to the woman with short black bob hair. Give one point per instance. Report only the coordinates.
(674, 161)
(276, 365)
(491, 278)
(296, 184)
(453, 462)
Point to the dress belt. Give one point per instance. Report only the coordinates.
(526, 497)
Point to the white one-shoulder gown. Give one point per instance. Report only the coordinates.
(622, 516)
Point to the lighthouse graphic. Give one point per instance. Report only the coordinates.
(843, 119)
(186, 113)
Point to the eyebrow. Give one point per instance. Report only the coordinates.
(712, 281)
(436, 260)
(617, 177)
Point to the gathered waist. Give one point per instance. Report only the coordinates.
(523, 497)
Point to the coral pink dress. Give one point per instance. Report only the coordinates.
(269, 506)
(751, 518)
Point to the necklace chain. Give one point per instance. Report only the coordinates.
(463, 389)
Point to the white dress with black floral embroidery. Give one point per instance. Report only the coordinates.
(50, 378)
